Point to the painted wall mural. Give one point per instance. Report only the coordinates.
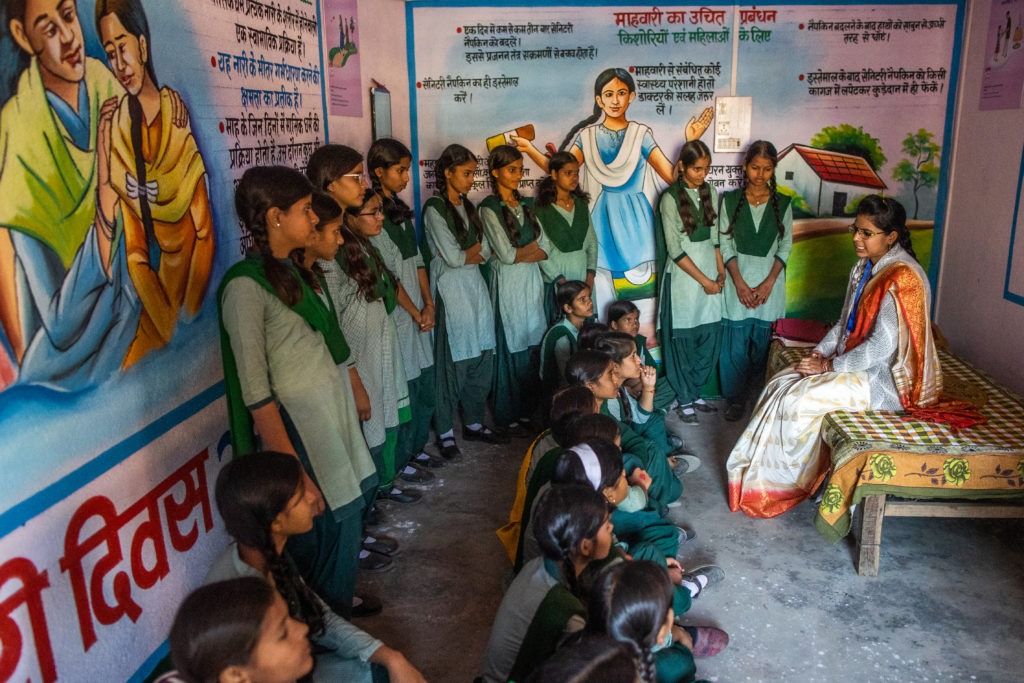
(124, 126)
(856, 98)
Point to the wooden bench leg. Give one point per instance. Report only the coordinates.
(873, 512)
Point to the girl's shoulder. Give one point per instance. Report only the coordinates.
(492, 202)
(437, 203)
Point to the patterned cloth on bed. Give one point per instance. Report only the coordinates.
(880, 453)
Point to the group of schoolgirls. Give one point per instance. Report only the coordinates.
(325, 335)
(591, 546)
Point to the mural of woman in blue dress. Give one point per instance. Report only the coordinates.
(624, 170)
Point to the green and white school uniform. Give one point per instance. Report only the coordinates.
(664, 392)
(295, 356)
(573, 252)
(517, 297)
(691, 319)
(397, 246)
(369, 328)
(755, 243)
(644, 436)
(464, 345)
(556, 347)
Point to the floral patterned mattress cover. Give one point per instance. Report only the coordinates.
(880, 453)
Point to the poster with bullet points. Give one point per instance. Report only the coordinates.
(857, 99)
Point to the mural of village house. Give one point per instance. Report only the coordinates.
(826, 180)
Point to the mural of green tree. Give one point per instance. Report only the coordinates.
(846, 139)
(922, 168)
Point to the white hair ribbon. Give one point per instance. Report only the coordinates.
(591, 467)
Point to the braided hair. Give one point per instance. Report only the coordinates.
(251, 492)
(502, 156)
(358, 253)
(889, 216)
(569, 467)
(260, 189)
(384, 154)
(456, 155)
(764, 150)
(547, 192)
(630, 603)
(603, 79)
(565, 516)
(692, 152)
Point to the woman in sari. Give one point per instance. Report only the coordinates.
(879, 356)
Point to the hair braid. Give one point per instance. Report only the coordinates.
(645, 665)
(706, 204)
(773, 186)
(686, 210)
(739, 205)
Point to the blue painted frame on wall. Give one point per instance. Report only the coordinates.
(1018, 224)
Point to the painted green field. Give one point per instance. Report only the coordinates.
(818, 269)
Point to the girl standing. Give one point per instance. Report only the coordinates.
(464, 346)
(517, 291)
(564, 215)
(690, 308)
(388, 162)
(263, 501)
(756, 233)
(282, 350)
(366, 292)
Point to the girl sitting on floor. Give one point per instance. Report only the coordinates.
(624, 316)
(560, 341)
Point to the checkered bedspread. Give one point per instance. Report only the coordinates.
(879, 452)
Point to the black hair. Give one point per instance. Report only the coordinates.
(587, 366)
(456, 155)
(251, 491)
(547, 192)
(260, 189)
(593, 426)
(692, 152)
(385, 153)
(619, 309)
(766, 150)
(567, 292)
(329, 163)
(364, 262)
(218, 626)
(325, 208)
(569, 467)
(133, 18)
(593, 659)
(575, 399)
(618, 345)
(500, 157)
(565, 516)
(590, 333)
(889, 216)
(603, 79)
(13, 60)
(630, 603)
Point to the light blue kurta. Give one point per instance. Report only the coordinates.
(518, 295)
(469, 317)
(755, 269)
(570, 265)
(417, 347)
(691, 305)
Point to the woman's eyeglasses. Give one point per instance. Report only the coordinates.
(376, 212)
(866, 234)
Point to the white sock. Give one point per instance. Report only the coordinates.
(701, 402)
(450, 434)
(695, 588)
(409, 470)
(363, 554)
(475, 427)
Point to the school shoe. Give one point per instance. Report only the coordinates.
(374, 563)
(373, 517)
(424, 459)
(379, 543)
(519, 430)
(366, 605)
(734, 411)
(687, 414)
(683, 463)
(448, 449)
(703, 406)
(685, 535)
(403, 496)
(708, 641)
(415, 474)
(485, 434)
(711, 573)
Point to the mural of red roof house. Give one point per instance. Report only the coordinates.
(826, 180)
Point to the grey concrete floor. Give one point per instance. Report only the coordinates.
(948, 604)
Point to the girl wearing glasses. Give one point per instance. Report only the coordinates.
(365, 292)
(879, 356)
(755, 226)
